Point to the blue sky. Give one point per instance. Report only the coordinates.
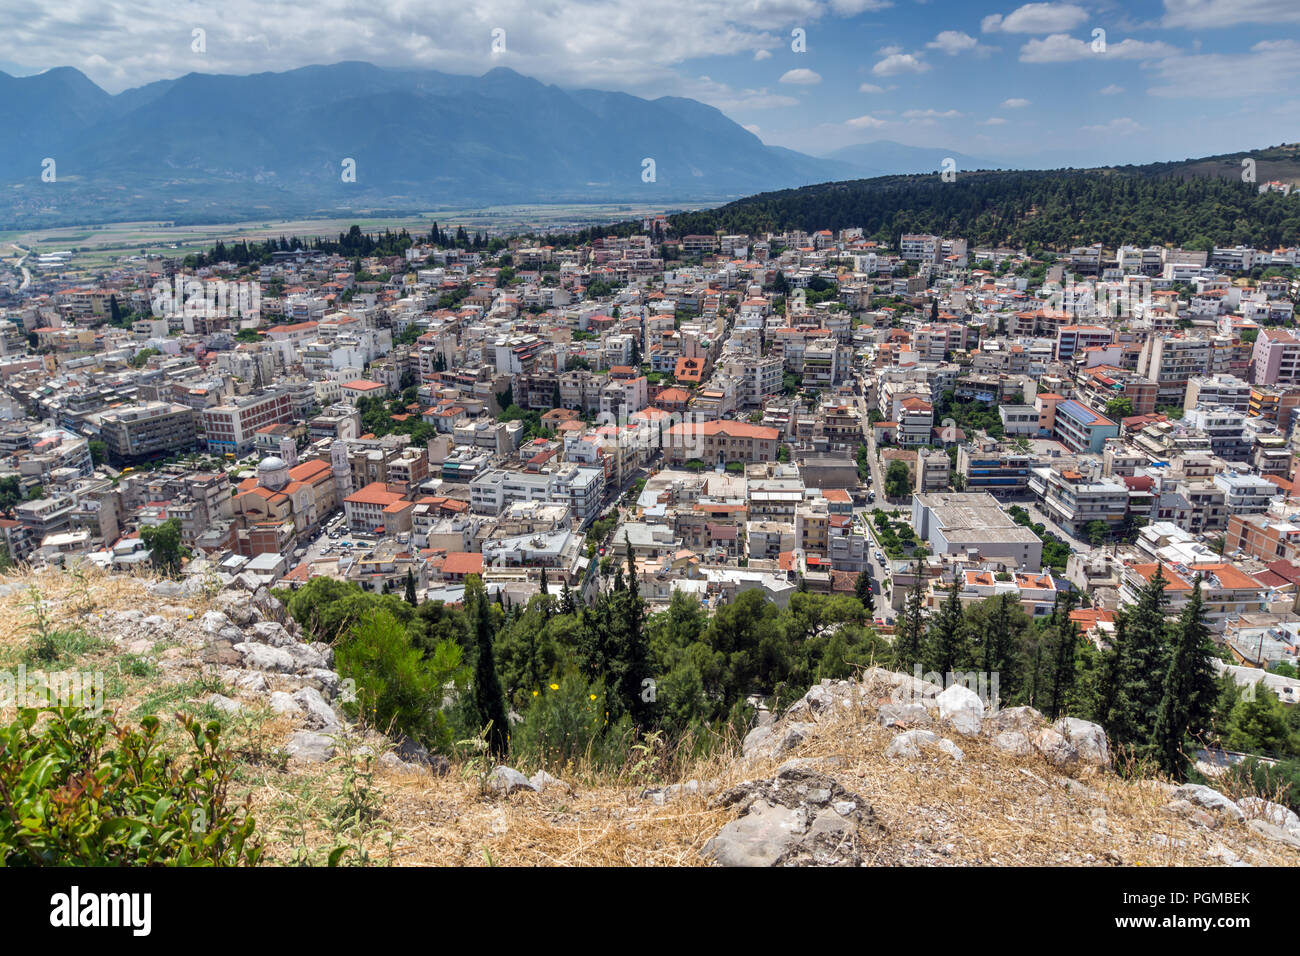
(1027, 83)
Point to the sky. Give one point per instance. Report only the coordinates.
(1076, 83)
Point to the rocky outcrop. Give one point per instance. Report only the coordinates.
(800, 817)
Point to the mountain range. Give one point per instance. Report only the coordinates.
(207, 147)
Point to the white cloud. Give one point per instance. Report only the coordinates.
(930, 114)
(753, 128)
(762, 54)
(1111, 90)
(1015, 103)
(1215, 14)
(897, 63)
(1062, 48)
(851, 8)
(801, 77)
(953, 42)
(1036, 18)
(994, 121)
(610, 44)
(1269, 66)
(870, 88)
(865, 122)
(890, 50)
(1120, 126)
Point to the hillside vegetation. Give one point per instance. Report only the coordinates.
(1185, 204)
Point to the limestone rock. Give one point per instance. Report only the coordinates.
(319, 715)
(1053, 745)
(1012, 742)
(1210, 799)
(506, 780)
(908, 745)
(263, 657)
(310, 747)
(1088, 739)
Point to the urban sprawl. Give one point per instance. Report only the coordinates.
(779, 412)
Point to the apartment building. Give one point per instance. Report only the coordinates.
(145, 431)
(719, 442)
(994, 468)
(1080, 429)
(1265, 536)
(974, 524)
(232, 428)
(1275, 359)
(1074, 500)
(1171, 361)
(1246, 493)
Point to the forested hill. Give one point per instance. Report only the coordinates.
(1179, 204)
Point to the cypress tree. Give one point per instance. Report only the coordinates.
(1113, 709)
(945, 639)
(410, 589)
(1065, 647)
(1146, 657)
(862, 588)
(543, 585)
(1190, 690)
(907, 639)
(488, 695)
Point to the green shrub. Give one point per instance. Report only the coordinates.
(396, 688)
(566, 724)
(68, 800)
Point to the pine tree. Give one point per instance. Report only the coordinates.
(945, 640)
(1190, 690)
(567, 605)
(410, 589)
(489, 699)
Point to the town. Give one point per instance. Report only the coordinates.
(782, 412)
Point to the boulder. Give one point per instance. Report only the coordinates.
(223, 704)
(543, 781)
(269, 632)
(761, 837)
(1088, 739)
(318, 714)
(912, 714)
(755, 741)
(1023, 719)
(961, 708)
(1210, 799)
(305, 657)
(165, 589)
(213, 623)
(1274, 813)
(282, 703)
(263, 657)
(1053, 745)
(254, 682)
(310, 747)
(506, 780)
(908, 745)
(800, 817)
(1275, 833)
(951, 749)
(1012, 742)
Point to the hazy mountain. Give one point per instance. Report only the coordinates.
(206, 147)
